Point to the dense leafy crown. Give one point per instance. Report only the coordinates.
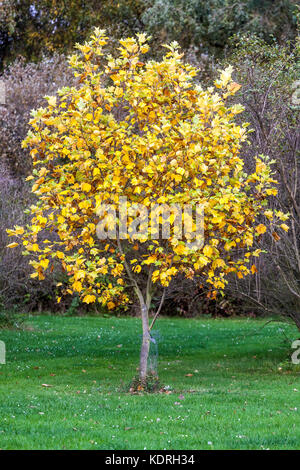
(147, 132)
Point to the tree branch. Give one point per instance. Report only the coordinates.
(159, 309)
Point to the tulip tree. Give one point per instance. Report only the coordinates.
(146, 132)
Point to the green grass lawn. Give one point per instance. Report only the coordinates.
(236, 398)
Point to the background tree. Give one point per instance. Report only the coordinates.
(26, 84)
(146, 132)
(7, 27)
(270, 95)
(209, 24)
(33, 28)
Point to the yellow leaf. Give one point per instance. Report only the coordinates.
(269, 214)
(77, 286)
(86, 187)
(261, 228)
(34, 247)
(253, 269)
(180, 250)
(12, 245)
(52, 101)
(89, 299)
(19, 230)
(180, 171)
(44, 263)
(137, 269)
(271, 192)
(233, 87)
(208, 251)
(218, 263)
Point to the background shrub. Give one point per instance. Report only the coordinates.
(268, 74)
(26, 85)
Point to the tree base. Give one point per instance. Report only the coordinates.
(149, 385)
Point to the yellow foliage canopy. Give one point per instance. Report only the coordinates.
(145, 131)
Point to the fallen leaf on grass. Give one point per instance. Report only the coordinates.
(47, 385)
(163, 390)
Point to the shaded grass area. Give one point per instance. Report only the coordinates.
(228, 391)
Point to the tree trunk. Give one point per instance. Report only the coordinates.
(145, 344)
